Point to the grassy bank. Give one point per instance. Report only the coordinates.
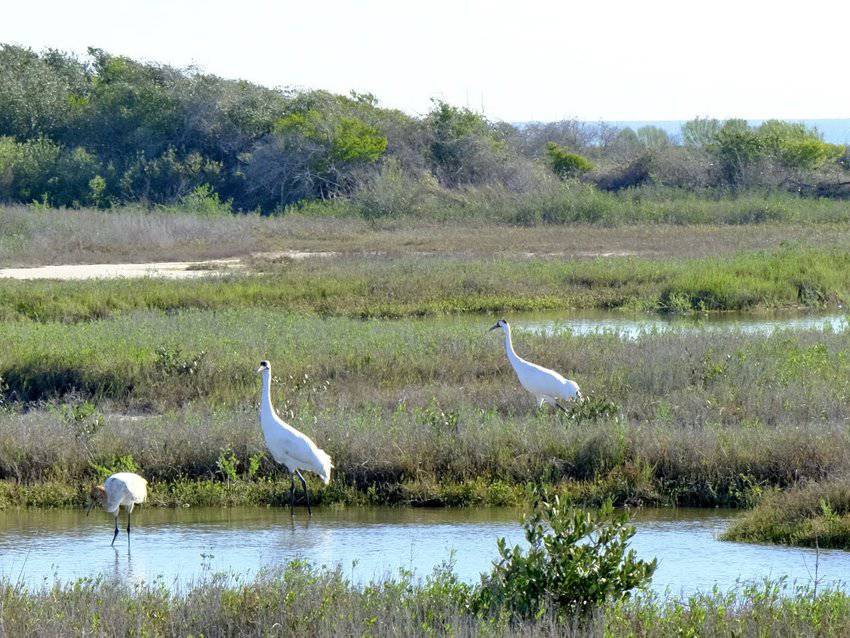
(415, 412)
(155, 362)
(816, 514)
(33, 237)
(413, 456)
(555, 203)
(309, 601)
(373, 286)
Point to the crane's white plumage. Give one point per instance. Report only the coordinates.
(121, 489)
(288, 446)
(546, 385)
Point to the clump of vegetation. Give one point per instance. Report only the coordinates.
(592, 408)
(202, 202)
(815, 514)
(567, 164)
(577, 561)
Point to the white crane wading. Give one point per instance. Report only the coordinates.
(546, 385)
(122, 488)
(289, 447)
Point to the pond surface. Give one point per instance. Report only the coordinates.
(37, 546)
(631, 326)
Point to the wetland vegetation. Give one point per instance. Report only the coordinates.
(390, 287)
(422, 228)
(322, 602)
(416, 411)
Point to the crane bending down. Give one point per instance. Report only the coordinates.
(288, 446)
(546, 385)
(123, 488)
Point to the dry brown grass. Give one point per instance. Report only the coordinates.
(30, 237)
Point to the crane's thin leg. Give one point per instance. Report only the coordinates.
(292, 494)
(115, 535)
(306, 492)
(128, 525)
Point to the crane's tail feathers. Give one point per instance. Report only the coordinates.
(325, 465)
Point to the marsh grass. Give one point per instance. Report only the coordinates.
(414, 456)
(419, 412)
(570, 202)
(813, 513)
(371, 286)
(30, 236)
(154, 362)
(304, 600)
(34, 237)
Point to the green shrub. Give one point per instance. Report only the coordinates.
(567, 164)
(203, 201)
(577, 560)
(108, 467)
(796, 146)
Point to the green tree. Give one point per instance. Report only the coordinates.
(26, 168)
(168, 177)
(566, 164)
(42, 170)
(796, 146)
(653, 138)
(700, 132)
(70, 183)
(317, 152)
(38, 94)
(131, 109)
(97, 192)
(737, 147)
(462, 144)
(354, 141)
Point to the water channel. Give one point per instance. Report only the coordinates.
(182, 545)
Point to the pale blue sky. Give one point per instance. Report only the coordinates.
(528, 60)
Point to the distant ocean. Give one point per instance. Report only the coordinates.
(833, 131)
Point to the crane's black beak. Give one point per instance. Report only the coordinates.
(493, 328)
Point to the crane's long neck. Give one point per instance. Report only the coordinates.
(509, 346)
(266, 407)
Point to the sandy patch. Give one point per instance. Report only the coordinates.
(296, 255)
(614, 253)
(165, 269)
(582, 254)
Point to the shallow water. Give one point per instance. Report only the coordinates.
(632, 326)
(37, 546)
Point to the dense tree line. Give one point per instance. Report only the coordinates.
(108, 130)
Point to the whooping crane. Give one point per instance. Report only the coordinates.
(546, 385)
(288, 446)
(123, 488)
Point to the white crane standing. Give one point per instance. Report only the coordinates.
(546, 385)
(289, 447)
(122, 488)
